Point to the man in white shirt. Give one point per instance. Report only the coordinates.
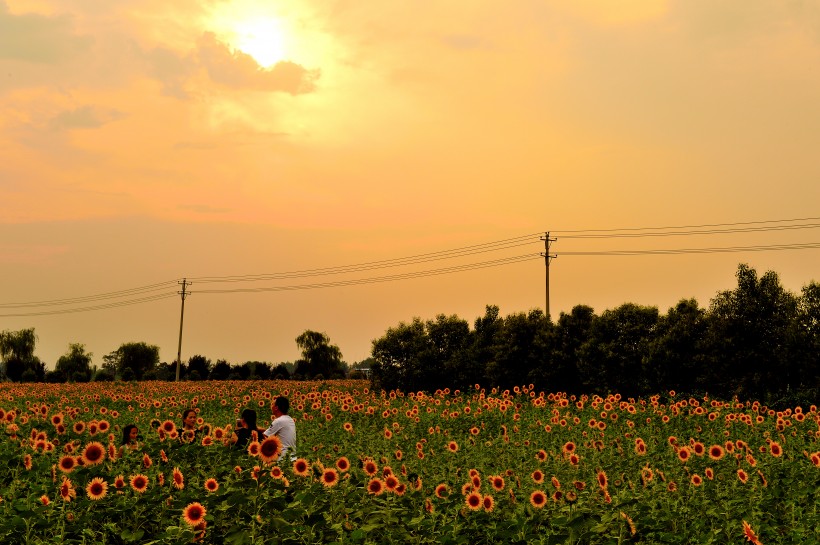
(283, 426)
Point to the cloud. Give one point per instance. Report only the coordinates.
(239, 70)
(171, 70)
(37, 38)
(85, 117)
(204, 208)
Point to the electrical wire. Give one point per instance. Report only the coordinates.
(806, 246)
(117, 304)
(91, 298)
(388, 278)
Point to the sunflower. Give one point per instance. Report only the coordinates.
(96, 489)
(742, 476)
(716, 452)
(375, 486)
(67, 492)
(178, 478)
(139, 483)
(709, 472)
(269, 449)
(329, 477)
(602, 479)
(441, 491)
(684, 453)
(343, 464)
(497, 481)
(211, 485)
(119, 482)
(775, 449)
(301, 467)
(391, 482)
(452, 446)
(44, 500)
(253, 448)
(474, 500)
(749, 534)
(537, 476)
(569, 447)
(276, 472)
(93, 454)
(146, 461)
(696, 480)
(194, 514)
(538, 499)
(370, 467)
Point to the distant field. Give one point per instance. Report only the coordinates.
(451, 467)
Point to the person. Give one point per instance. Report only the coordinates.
(283, 426)
(189, 430)
(244, 428)
(130, 439)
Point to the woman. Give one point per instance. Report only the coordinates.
(130, 439)
(189, 429)
(245, 426)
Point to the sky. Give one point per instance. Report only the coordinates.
(146, 141)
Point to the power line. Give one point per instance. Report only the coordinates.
(379, 279)
(692, 232)
(734, 224)
(117, 304)
(91, 298)
(374, 265)
(773, 247)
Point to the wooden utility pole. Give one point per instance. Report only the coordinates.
(183, 294)
(547, 258)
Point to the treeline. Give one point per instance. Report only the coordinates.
(141, 361)
(756, 341)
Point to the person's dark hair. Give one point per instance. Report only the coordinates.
(282, 403)
(249, 416)
(185, 414)
(126, 433)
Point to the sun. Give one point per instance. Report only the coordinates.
(253, 28)
(260, 38)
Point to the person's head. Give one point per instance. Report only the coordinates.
(129, 434)
(189, 419)
(281, 405)
(249, 417)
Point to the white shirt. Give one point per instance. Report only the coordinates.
(285, 428)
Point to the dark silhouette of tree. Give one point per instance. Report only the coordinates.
(19, 361)
(75, 365)
(320, 359)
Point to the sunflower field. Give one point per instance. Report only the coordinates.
(481, 466)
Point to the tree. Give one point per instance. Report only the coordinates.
(397, 356)
(220, 371)
(280, 372)
(615, 354)
(808, 325)
(521, 349)
(131, 361)
(676, 359)
(572, 331)
(75, 365)
(319, 357)
(199, 368)
(17, 352)
(750, 337)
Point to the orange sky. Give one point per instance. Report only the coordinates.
(146, 141)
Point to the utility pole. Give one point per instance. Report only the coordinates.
(183, 294)
(547, 258)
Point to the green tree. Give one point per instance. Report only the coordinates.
(221, 370)
(199, 368)
(676, 359)
(750, 337)
(572, 331)
(75, 365)
(398, 356)
(18, 359)
(132, 361)
(808, 325)
(614, 356)
(319, 357)
(521, 349)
